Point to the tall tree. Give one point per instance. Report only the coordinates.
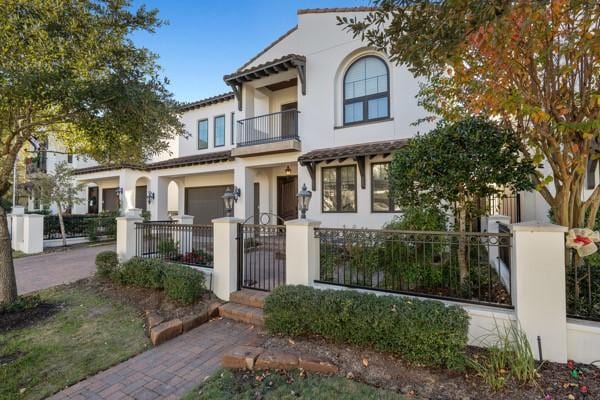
(534, 65)
(454, 166)
(58, 187)
(70, 67)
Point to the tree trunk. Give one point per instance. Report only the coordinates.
(61, 222)
(8, 282)
(462, 245)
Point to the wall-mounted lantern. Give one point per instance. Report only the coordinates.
(288, 170)
(119, 191)
(229, 198)
(150, 196)
(304, 196)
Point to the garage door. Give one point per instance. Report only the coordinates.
(205, 203)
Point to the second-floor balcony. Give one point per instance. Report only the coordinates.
(269, 133)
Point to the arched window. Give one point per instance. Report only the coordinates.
(366, 91)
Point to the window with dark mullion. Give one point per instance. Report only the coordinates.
(338, 189)
(380, 188)
(219, 128)
(366, 91)
(203, 134)
(232, 127)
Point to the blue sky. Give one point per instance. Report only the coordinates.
(205, 40)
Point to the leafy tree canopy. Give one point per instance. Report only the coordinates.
(70, 68)
(533, 65)
(457, 163)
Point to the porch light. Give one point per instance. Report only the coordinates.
(303, 196)
(119, 191)
(288, 170)
(229, 198)
(150, 196)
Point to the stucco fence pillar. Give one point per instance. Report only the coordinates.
(27, 231)
(126, 234)
(225, 259)
(302, 252)
(538, 286)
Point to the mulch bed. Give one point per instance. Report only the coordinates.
(146, 299)
(28, 317)
(389, 372)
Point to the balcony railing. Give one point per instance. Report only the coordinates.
(268, 128)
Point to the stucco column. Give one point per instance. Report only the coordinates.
(126, 234)
(184, 237)
(33, 234)
(493, 226)
(302, 252)
(16, 220)
(243, 178)
(225, 269)
(127, 182)
(159, 206)
(538, 286)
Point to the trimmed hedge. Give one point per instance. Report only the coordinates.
(180, 283)
(422, 331)
(106, 263)
(183, 284)
(143, 272)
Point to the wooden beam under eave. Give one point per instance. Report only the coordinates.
(311, 167)
(301, 68)
(360, 161)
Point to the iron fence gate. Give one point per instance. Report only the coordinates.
(261, 255)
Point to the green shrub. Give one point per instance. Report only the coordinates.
(419, 219)
(423, 331)
(22, 303)
(168, 247)
(145, 272)
(107, 263)
(183, 284)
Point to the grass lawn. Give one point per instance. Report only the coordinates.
(226, 385)
(84, 334)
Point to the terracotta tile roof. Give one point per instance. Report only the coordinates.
(269, 47)
(207, 158)
(207, 102)
(363, 149)
(334, 10)
(286, 62)
(108, 167)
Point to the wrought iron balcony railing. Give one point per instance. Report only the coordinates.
(268, 128)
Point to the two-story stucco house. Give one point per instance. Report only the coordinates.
(315, 107)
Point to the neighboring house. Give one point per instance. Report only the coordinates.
(315, 107)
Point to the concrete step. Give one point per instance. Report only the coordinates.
(249, 297)
(243, 313)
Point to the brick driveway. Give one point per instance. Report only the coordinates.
(169, 370)
(51, 269)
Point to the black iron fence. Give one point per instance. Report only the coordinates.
(268, 128)
(583, 286)
(508, 204)
(443, 265)
(184, 244)
(261, 256)
(504, 251)
(79, 226)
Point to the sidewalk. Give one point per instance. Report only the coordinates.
(168, 371)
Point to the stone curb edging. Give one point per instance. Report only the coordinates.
(252, 357)
(161, 331)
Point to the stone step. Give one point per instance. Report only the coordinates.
(249, 297)
(243, 313)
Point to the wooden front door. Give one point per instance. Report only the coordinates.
(287, 203)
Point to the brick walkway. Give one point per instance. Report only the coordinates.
(169, 370)
(55, 268)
